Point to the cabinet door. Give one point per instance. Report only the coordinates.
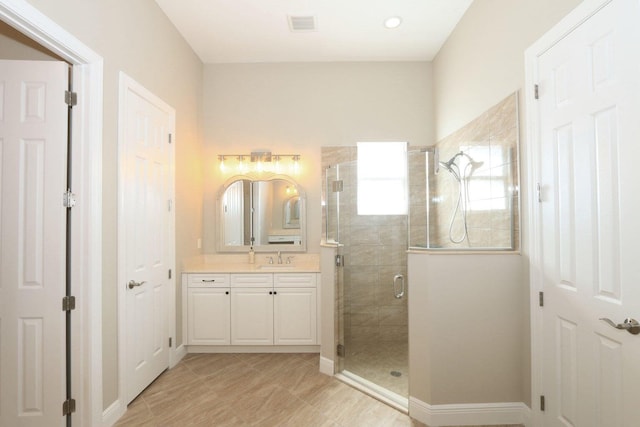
(252, 316)
(295, 316)
(209, 316)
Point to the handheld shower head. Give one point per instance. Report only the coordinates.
(452, 168)
(467, 168)
(452, 160)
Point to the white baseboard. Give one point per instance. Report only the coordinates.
(117, 409)
(469, 414)
(326, 366)
(253, 348)
(113, 413)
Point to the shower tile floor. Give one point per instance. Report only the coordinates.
(375, 362)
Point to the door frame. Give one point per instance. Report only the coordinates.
(86, 229)
(127, 83)
(574, 19)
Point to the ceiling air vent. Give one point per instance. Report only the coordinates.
(302, 23)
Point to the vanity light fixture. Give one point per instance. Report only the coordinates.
(260, 161)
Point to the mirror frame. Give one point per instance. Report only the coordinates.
(253, 177)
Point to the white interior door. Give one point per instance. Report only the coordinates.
(33, 178)
(589, 112)
(146, 247)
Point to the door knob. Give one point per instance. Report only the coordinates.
(630, 325)
(133, 283)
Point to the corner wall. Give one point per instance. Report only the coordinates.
(481, 63)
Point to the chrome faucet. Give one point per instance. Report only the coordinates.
(279, 258)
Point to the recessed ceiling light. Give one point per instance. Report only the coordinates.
(392, 22)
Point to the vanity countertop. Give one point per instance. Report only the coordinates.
(300, 263)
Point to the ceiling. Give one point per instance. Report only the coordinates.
(239, 31)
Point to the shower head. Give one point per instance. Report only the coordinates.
(475, 165)
(452, 160)
(468, 168)
(450, 167)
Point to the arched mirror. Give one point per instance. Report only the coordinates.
(267, 213)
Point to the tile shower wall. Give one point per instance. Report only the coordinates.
(374, 248)
(492, 216)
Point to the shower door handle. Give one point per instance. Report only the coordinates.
(398, 293)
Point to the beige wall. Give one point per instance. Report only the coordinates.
(481, 63)
(137, 38)
(465, 328)
(298, 108)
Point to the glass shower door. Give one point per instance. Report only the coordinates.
(372, 319)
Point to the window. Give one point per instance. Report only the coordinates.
(382, 178)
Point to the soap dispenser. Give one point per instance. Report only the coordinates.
(252, 256)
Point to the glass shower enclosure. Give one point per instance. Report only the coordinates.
(462, 196)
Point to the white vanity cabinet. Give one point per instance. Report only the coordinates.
(294, 309)
(251, 309)
(208, 314)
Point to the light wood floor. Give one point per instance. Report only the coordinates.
(256, 390)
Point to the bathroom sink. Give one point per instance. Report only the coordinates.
(276, 267)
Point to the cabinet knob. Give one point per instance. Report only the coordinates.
(226, 292)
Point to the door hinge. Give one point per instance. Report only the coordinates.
(539, 192)
(542, 403)
(71, 98)
(68, 407)
(339, 260)
(337, 186)
(169, 204)
(169, 273)
(340, 350)
(170, 138)
(170, 342)
(68, 303)
(541, 299)
(68, 199)
(536, 91)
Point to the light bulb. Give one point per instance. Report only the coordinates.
(296, 166)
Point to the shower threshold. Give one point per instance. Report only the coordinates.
(388, 397)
